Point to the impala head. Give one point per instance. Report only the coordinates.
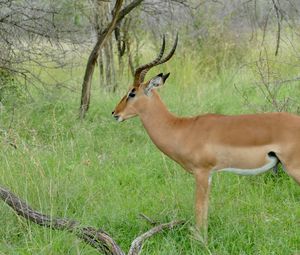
(141, 92)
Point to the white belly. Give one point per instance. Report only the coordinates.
(273, 161)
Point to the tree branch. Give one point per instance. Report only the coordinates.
(279, 18)
(137, 244)
(128, 9)
(97, 238)
(102, 38)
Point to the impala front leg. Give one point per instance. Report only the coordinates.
(202, 198)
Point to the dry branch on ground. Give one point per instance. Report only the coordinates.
(97, 238)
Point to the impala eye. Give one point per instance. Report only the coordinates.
(132, 93)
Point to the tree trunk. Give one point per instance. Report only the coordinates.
(89, 71)
(102, 38)
(113, 84)
(107, 66)
(101, 67)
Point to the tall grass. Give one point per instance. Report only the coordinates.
(104, 174)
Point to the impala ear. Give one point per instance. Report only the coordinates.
(165, 77)
(156, 82)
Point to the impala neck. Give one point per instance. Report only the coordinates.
(161, 125)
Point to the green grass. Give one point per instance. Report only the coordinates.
(104, 174)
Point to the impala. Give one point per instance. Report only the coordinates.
(243, 144)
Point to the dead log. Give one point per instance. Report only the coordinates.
(97, 238)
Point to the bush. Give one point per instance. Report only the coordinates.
(11, 91)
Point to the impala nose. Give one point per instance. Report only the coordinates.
(115, 115)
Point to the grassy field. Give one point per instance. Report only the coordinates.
(104, 174)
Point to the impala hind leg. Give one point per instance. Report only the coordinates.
(292, 167)
(202, 199)
(295, 173)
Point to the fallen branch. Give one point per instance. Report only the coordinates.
(97, 238)
(149, 220)
(137, 244)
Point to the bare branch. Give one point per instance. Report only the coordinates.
(145, 217)
(118, 15)
(97, 238)
(279, 18)
(128, 9)
(137, 244)
(89, 71)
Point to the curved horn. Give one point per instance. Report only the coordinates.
(160, 61)
(140, 69)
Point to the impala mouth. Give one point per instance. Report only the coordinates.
(118, 118)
